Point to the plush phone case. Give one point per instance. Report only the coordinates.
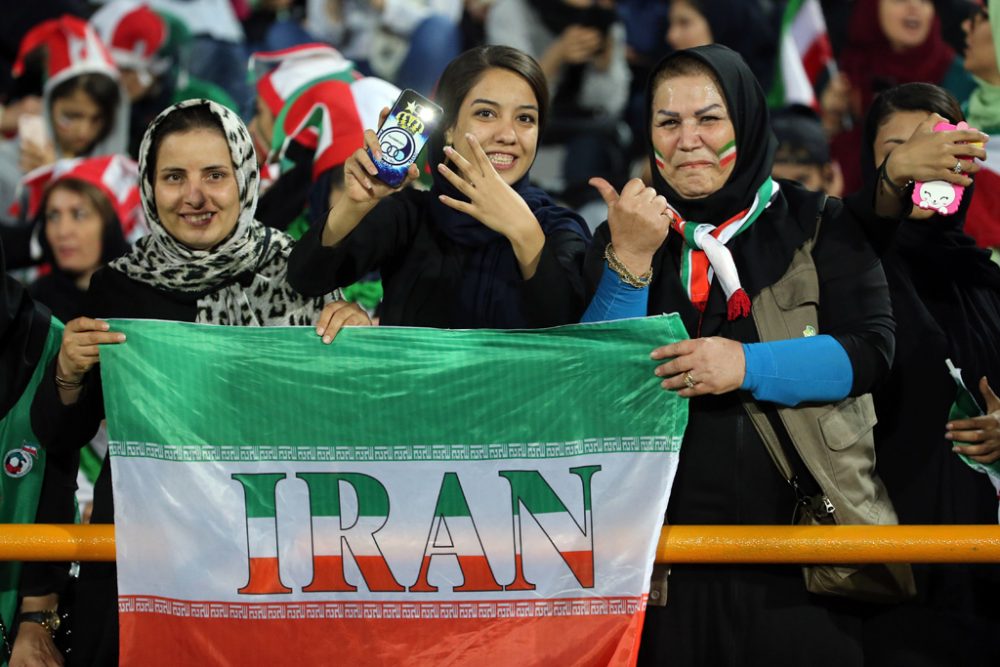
(941, 197)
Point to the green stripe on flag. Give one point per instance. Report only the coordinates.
(259, 490)
(325, 489)
(451, 501)
(232, 381)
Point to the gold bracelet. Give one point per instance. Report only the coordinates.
(68, 385)
(623, 272)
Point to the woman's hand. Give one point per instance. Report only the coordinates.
(360, 174)
(34, 155)
(701, 366)
(639, 222)
(337, 315)
(931, 156)
(983, 433)
(80, 349)
(493, 203)
(34, 648)
(363, 190)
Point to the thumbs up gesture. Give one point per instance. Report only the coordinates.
(639, 221)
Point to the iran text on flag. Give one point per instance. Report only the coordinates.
(982, 222)
(805, 55)
(402, 496)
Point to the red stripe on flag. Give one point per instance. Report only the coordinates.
(154, 639)
(816, 57)
(476, 573)
(328, 575)
(264, 578)
(582, 564)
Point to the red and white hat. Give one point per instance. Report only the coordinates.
(117, 176)
(320, 101)
(72, 47)
(134, 34)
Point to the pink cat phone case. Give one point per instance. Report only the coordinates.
(941, 197)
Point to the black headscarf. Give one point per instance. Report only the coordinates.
(755, 142)
(493, 277)
(940, 281)
(24, 326)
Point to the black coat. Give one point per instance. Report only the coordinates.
(423, 270)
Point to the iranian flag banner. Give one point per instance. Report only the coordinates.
(402, 496)
(805, 60)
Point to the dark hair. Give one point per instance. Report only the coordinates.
(97, 198)
(102, 89)
(113, 243)
(911, 97)
(465, 71)
(195, 117)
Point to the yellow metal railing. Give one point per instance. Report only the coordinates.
(678, 544)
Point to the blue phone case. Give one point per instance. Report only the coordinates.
(410, 122)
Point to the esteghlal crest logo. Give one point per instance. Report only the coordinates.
(17, 463)
(397, 146)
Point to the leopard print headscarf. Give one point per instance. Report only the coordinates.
(243, 280)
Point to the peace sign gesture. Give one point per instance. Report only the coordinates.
(493, 203)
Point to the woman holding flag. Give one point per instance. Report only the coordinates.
(790, 322)
(206, 260)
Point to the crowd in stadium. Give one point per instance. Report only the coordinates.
(814, 187)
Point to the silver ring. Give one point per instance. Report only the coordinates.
(689, 380)
(957, 169)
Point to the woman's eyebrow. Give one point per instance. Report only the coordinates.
(707, 109)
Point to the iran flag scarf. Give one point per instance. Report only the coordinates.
(705, 253)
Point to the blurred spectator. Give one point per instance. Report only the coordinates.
(312, 110)
(217, 51)
(276, 24)
(581, 47)
(85, 110)
(86, 208)
(645, 30)
(803, 153)
(891, 42)
(741, 25)
(150, 50)
(408, 42)
(981, 56)
(15, 25)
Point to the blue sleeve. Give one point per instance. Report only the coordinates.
(616, 300)
(814, 369)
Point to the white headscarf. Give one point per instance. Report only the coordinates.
(243, 280)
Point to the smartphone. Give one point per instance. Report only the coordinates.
(31, 127)
(403, 134)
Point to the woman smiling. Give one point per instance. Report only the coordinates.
(483, 248)
(205, 260)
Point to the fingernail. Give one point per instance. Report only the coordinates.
(120, 338)
(368, 184)
(327, 340)
(656, 371)
(449, 150)
(319, 331)
(664, 384)
(469, 136)
(105, 326)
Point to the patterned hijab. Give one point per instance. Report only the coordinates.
(243, 280)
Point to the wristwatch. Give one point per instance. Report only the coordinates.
(48, 619)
